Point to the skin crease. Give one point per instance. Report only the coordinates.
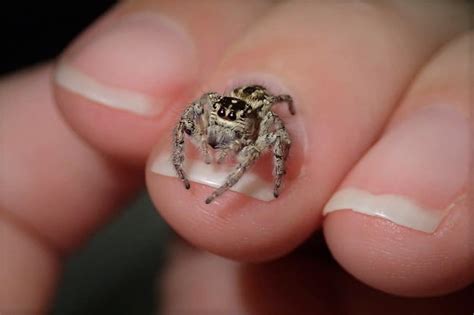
(332, 72)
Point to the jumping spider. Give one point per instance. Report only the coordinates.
(242, 124)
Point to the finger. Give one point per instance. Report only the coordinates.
(118, 82)
(333, 72)
(54, 191)
(414, 236)
(199, 282)
(193, 281)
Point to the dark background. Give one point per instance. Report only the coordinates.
(115, 273)
(33, 31)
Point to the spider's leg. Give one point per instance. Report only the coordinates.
(192, 122)
(287, 99)
(177, 155)
(273, 134)
(247, 157)
(281, 147)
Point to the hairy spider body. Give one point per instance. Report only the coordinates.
(242, 124)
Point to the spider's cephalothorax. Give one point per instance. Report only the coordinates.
(242, 124)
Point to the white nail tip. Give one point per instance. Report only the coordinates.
(214, 175)
(395, 208)
(117, 98)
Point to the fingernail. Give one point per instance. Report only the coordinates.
(213, 175)
(415, 174)
(132, 65)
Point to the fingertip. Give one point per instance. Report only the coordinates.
(246, 222)
(119, 135)
(400, 220)
(117, 96)
(399, 260)
(219, 226)
(118, 83)
(29, 272)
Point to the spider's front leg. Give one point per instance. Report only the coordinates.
(247, 157)
(273, 134)
(192, 122)
(177, 156)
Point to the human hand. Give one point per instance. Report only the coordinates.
(375, 111)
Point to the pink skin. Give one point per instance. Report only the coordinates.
(255, 230)
(330, 88)
(429, 150)
(442, 261)
(32, 171)
(130, 138)
(55, 191)
(329, 113)
(304, 282)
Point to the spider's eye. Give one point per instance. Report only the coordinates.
(221, 112)
(231, 116)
